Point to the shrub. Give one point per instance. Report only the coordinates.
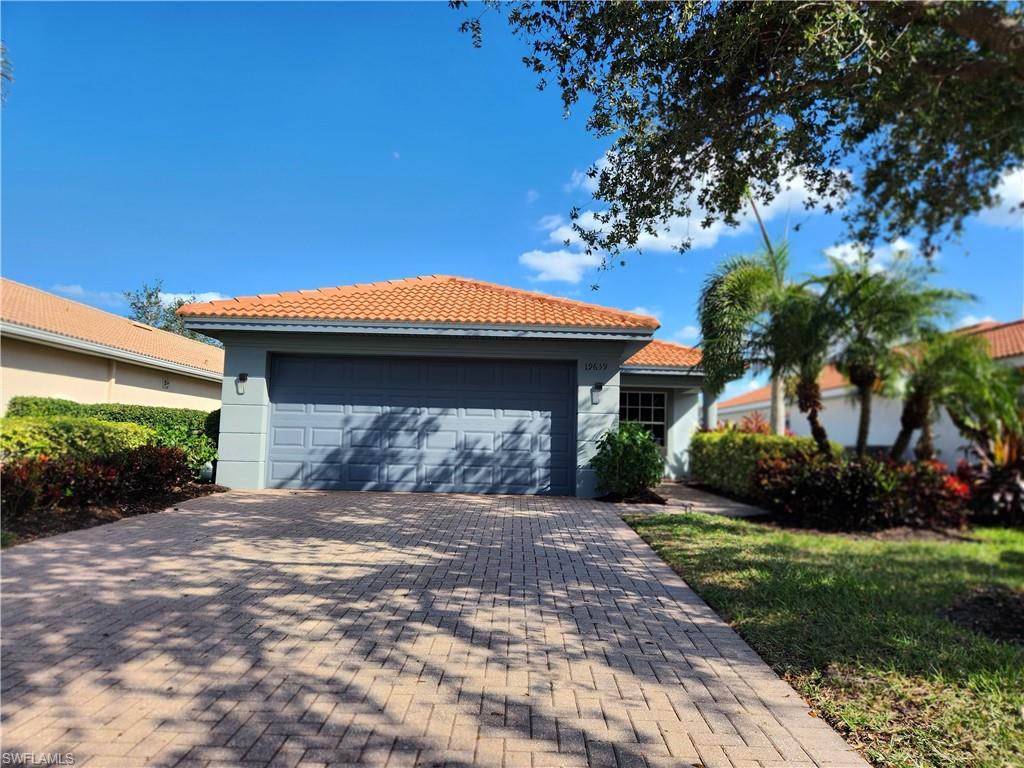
(726, 461)
(628, 461)
(755, 423)
(996, 480)
(68, 435)
(211, 426)
(861, 493)
(185, 428)
(36, 483)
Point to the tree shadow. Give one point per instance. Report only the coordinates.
(351, 627)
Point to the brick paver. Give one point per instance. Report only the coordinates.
(314, 629)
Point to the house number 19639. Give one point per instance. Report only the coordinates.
(595, 366)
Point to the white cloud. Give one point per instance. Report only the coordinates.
(169, 297)
(654, 312)
(687, 333)
(106, 298)
(1011, 194)
(532, 196)
(967, 320)
(879, 259)
(567, 266)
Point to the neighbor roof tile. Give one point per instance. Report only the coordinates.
(433, 299)
(32, 308)
(1004, 339)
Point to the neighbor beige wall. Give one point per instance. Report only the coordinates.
(41, 371)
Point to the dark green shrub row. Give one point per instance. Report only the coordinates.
(862, 493)
(68, 436)
(185, 428)
(37, 483)
(628, 461)
(726, 460)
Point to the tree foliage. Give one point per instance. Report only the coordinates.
(880, 310)
(150, 306)
(709, 102)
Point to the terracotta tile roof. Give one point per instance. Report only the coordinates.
(829, 378)
(1004, 339)
(32, 308)
(432, 299)
(665, 354)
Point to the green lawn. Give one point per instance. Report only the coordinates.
(855, 626)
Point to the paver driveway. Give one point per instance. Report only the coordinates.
(344, 628)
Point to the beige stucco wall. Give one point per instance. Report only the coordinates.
(33, 369)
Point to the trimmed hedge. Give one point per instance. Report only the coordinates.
(31, 484)
(152, 416)
(726, 460)
(185, 428)
(22, 437)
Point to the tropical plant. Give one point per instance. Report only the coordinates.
(628, 461)
(707, 101)
(953, 371)
(997, 479)
(735, 314)
(880, 309)
(801, 330)
(754, 423)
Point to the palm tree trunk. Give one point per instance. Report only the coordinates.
(925, 449)
(914, 416)
(864, 424)
(778, 406)
(818, 432)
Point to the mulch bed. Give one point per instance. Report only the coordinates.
(994, 611)
(644, 497)
(50, 522)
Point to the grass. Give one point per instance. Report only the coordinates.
(856, 626)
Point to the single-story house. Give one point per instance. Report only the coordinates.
(54, 347)
(841, 412)
(438, 384)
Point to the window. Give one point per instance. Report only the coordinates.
(647, 408)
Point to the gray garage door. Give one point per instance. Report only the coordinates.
(379, 423)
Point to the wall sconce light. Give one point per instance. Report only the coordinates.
(595, 393)
(240, 383)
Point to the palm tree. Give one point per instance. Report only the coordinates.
(881, 309)
(802, 328)
(735, 312)
(954, 371)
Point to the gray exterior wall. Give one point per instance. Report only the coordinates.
(683, 417)
(244, 415)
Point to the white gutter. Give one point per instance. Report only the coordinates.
(661, 370)
(59, 341)
(206, 324)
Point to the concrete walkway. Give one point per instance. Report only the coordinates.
(695, 500)
(317, 629)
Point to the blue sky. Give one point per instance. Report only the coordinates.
(247, 148)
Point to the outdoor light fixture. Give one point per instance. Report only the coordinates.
(240, 382)
(595, 393)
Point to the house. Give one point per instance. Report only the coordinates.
(54, 347)
(438, 383)
(841, 411)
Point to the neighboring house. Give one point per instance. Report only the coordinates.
(54, 347)
(438, 383)
(842, 410)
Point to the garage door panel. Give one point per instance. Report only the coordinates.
(451, 425)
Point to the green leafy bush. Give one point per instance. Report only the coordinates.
(30, 484)
(68, 435)
(725, 461)
(861, 493)
(185, 428)
(628, 461)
